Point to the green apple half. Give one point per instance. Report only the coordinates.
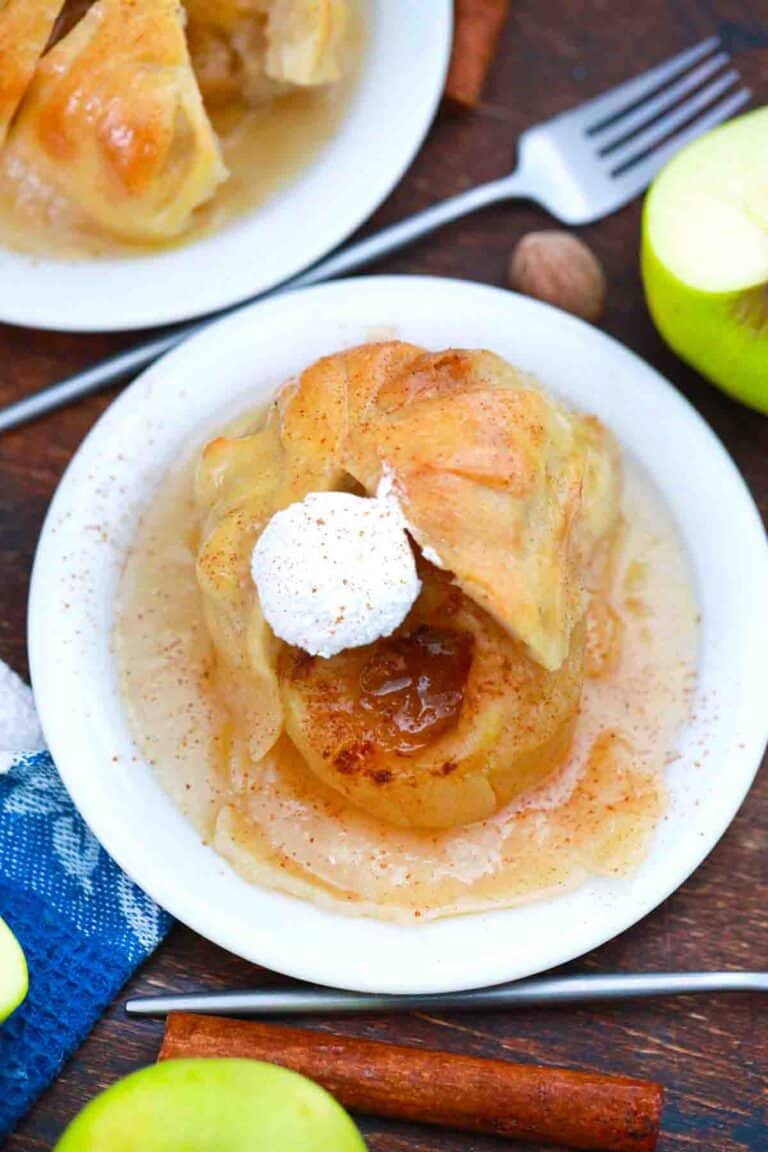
(226, 1105)
(14, 979)
(705, 256)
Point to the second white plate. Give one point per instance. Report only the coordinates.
(401, 85)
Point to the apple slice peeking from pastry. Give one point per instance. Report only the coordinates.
(256, 50)
(114, 119)
(305, 39)
(25, 28)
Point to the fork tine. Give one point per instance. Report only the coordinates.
(643, 142)
(650, 109)
(637, 178)
(601, 110)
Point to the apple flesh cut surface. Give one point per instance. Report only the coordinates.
(202, 1105)
(14, 980)
(705, 256)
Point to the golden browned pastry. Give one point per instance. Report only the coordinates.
(25, 28)
(238, 488)
(500, 482)
(475, 697)
(115, 121)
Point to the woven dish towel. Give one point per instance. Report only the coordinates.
(83, 925)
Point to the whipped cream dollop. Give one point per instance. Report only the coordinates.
(335, 571)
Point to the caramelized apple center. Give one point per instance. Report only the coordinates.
(414, 686)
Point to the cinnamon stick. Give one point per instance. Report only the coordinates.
(477, 25)
(518, 1101)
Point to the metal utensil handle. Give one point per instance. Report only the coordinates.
(133, 360)
(553, 990)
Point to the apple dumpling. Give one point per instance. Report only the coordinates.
(470, 695)
(113, 118)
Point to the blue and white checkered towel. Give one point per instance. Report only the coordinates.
(83, 925)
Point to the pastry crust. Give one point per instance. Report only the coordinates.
(25, 28)
(114, 120)
(500, 482)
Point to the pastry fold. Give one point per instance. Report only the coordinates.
(114, 120)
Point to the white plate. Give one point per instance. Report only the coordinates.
(402, 81)
(239, 362)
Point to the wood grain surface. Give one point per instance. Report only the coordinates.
(712, 1054)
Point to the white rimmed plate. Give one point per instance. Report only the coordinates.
(240, 361)
(399, 90)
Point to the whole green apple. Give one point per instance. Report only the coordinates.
(705, 256)
(226, 1105)
(14, 979)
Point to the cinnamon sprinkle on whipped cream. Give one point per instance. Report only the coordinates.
(335, 571)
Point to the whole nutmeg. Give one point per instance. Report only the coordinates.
(560, 269)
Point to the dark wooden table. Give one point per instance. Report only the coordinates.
(712, 1054)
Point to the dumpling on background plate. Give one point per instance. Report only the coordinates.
(114, 120)
(127, 123)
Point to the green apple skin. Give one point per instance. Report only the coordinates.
(212, 1104)
(705, 328)
(704, 256)
(14, 978)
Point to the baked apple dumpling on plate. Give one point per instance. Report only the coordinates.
(405, 595)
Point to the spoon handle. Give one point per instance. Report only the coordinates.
(311, 1000)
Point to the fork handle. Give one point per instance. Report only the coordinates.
(310, 1000)
(405, 232)
(131, 361)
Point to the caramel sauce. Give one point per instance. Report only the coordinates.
(279, 826)
(413, 686)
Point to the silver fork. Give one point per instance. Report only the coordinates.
(581, 166)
